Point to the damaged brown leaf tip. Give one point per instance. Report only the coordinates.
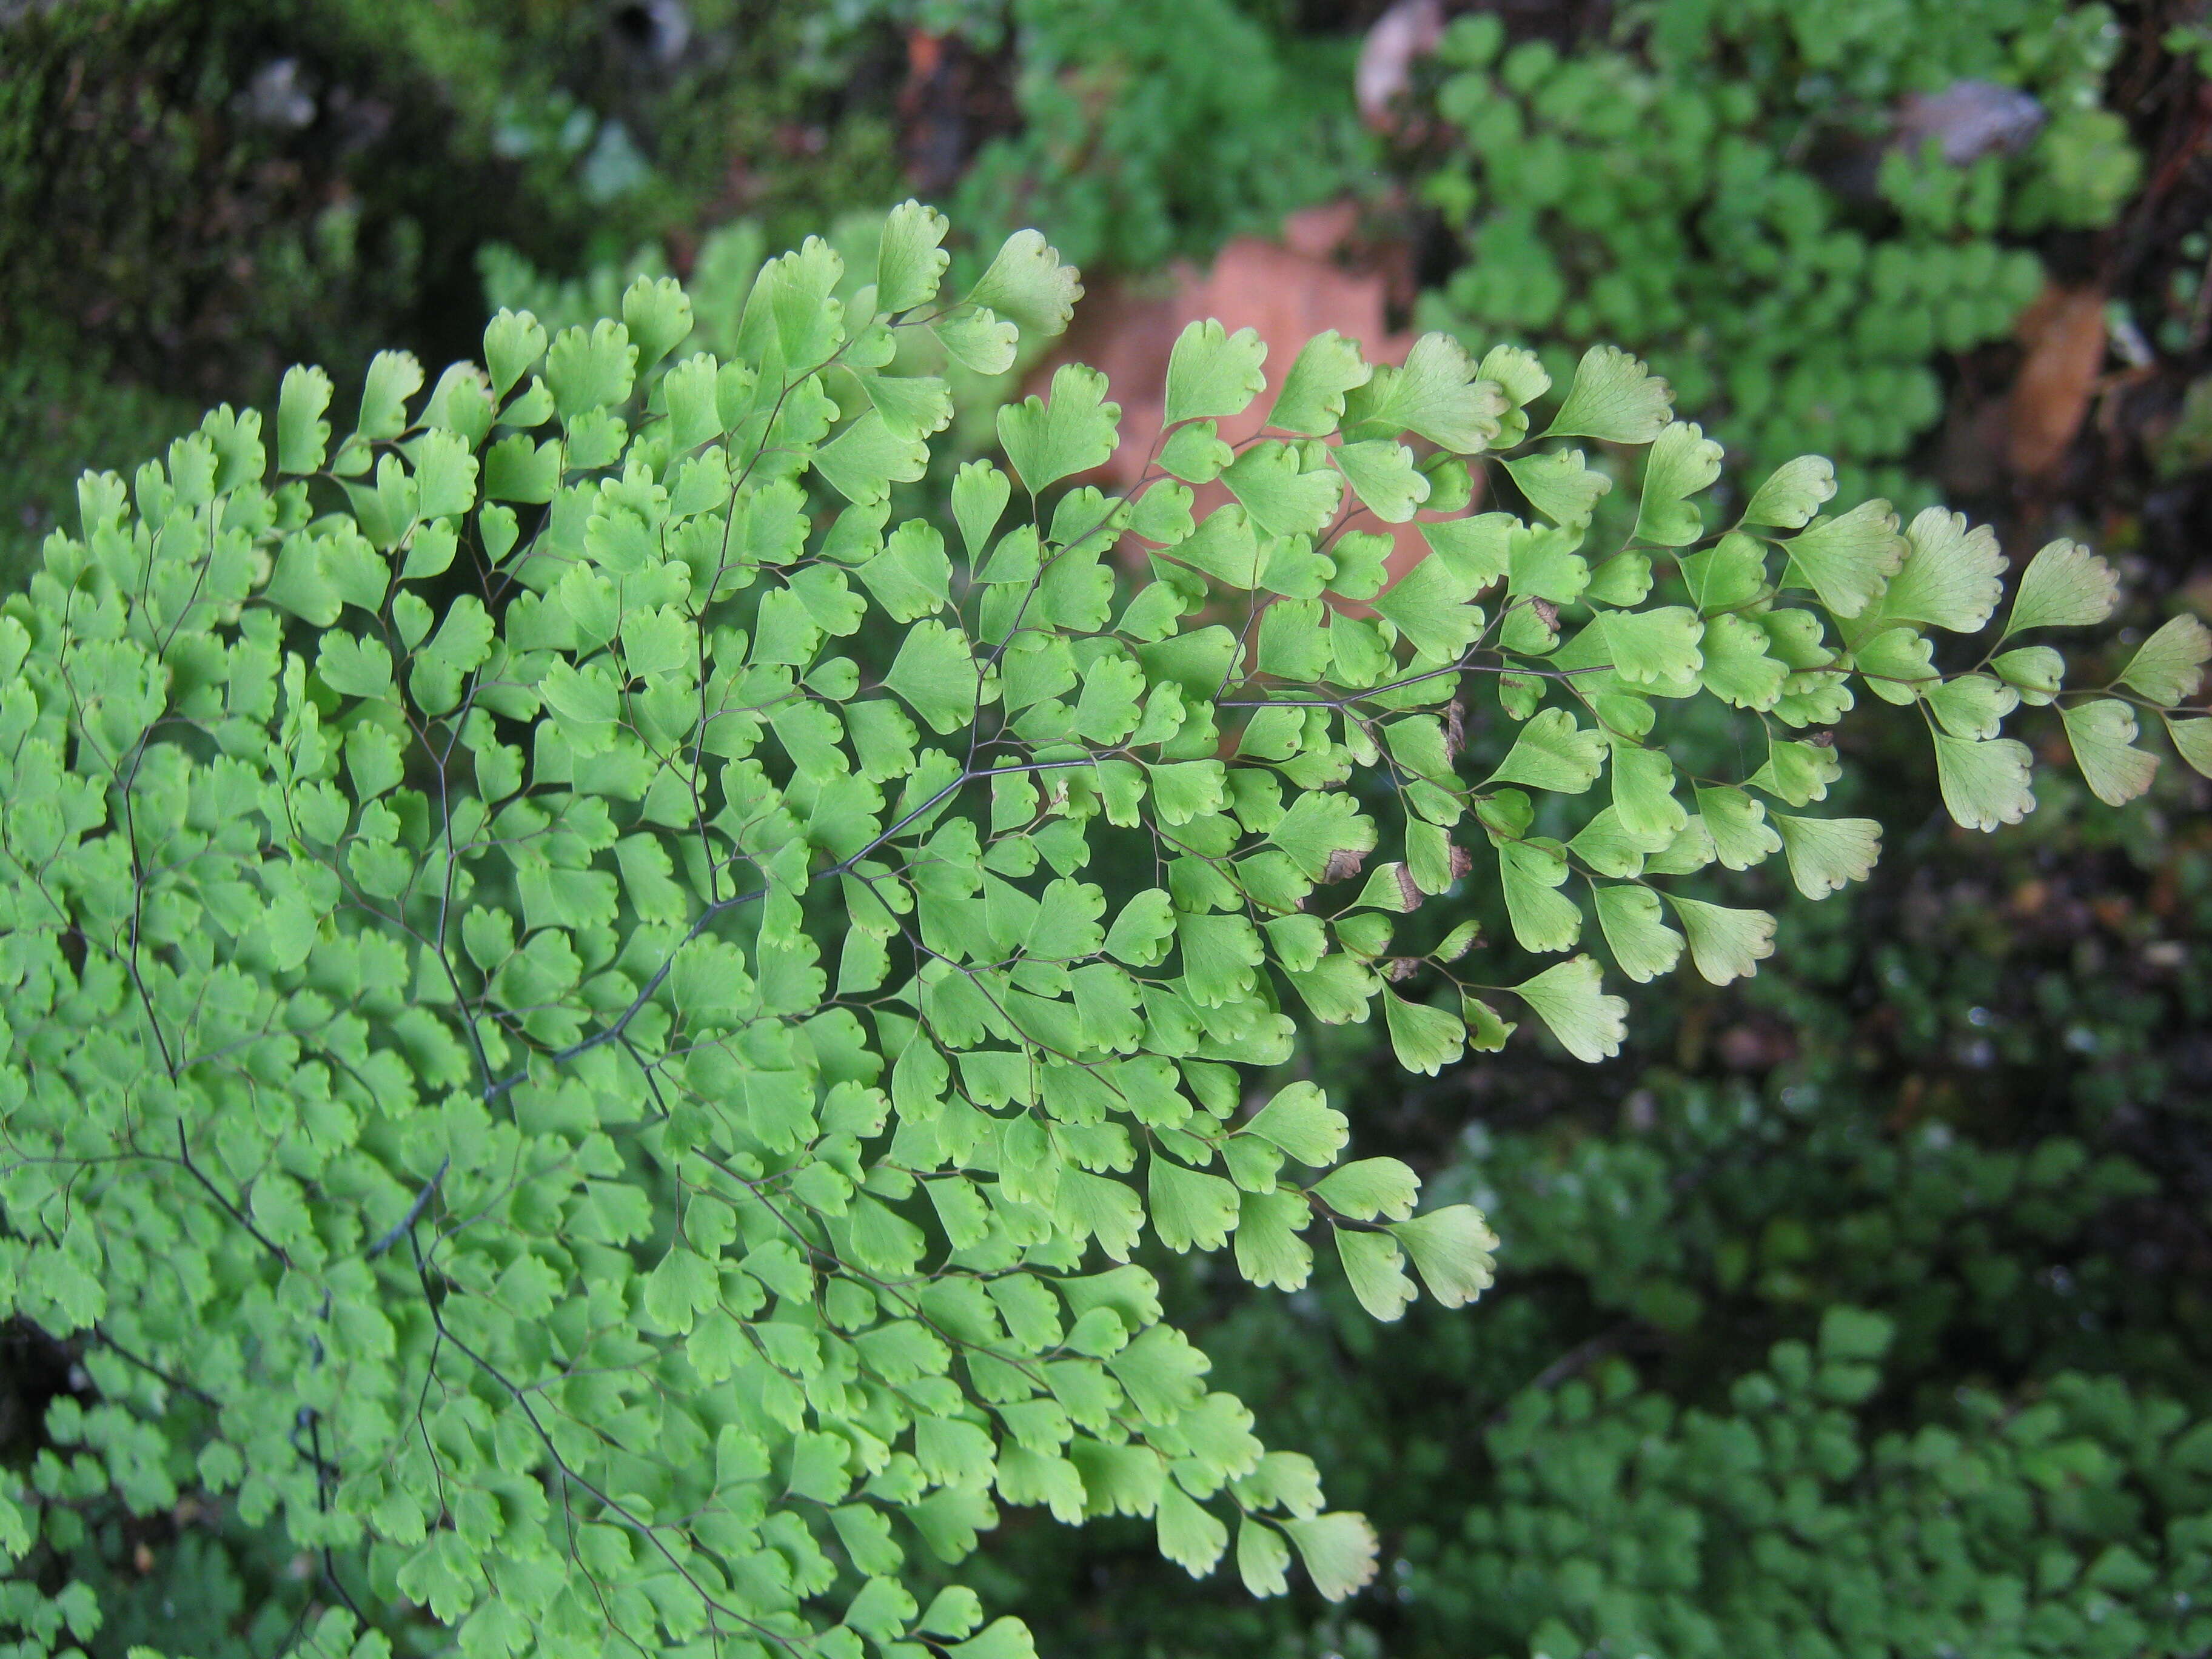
(1406, 891)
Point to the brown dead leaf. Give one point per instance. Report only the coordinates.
(1286, 291)
(2065, 333)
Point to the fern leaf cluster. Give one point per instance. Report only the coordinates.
(596, 1012)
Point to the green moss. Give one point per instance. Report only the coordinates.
(193, 196)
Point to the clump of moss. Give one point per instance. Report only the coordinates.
(193, 196)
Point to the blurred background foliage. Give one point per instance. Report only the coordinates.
(1863, 1307)
(1791, 209)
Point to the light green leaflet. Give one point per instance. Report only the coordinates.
(618, 1111)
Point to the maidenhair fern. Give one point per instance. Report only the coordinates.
(1744, 200)
(1621, 1523)
(592, 1023)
